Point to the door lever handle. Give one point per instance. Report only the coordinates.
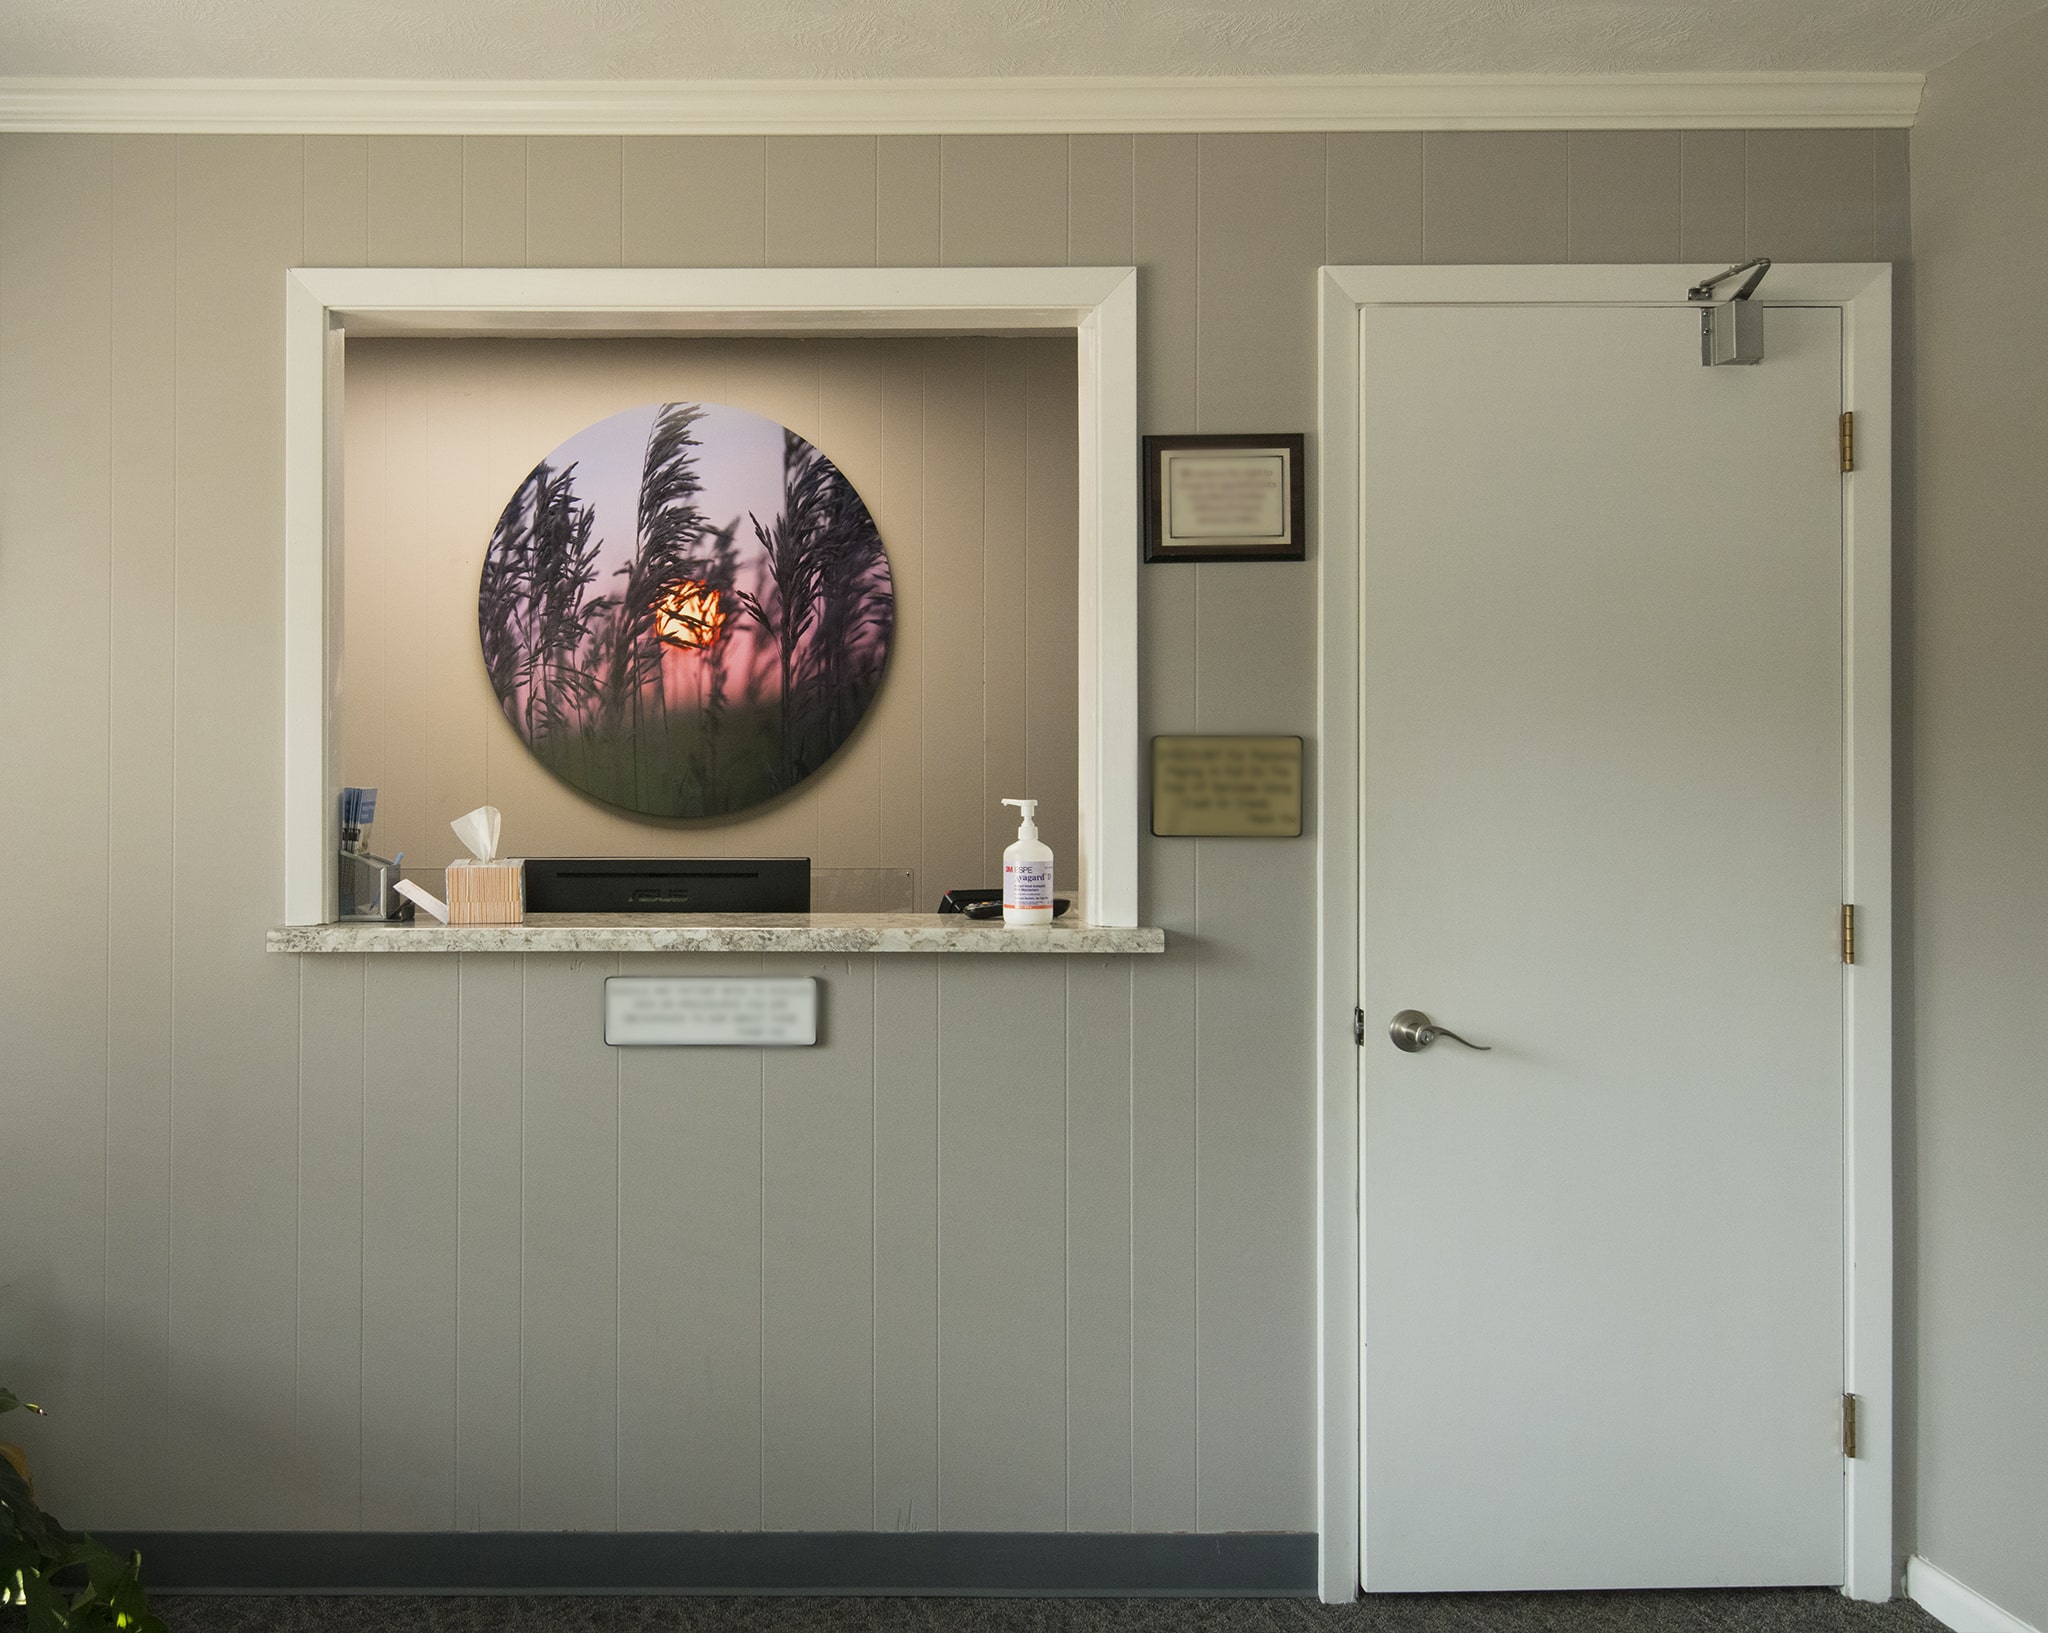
(1413, 1031)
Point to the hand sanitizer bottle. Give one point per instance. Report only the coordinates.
(1027, 872)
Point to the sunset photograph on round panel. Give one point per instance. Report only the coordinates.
(685, 610)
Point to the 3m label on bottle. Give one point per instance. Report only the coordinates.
(1027, 884)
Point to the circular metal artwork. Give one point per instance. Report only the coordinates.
(685, 610)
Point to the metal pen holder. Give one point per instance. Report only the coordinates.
(369, 888)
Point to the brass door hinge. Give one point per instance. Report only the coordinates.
(1849, 440)
(1848, 1425)
(1848, 932)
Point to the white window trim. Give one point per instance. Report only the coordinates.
(1098, 305)
(1862, 291)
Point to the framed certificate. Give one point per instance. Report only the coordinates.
(1225, 498)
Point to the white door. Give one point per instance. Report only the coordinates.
(1602, 835)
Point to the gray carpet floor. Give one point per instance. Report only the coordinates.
(1797, 1610)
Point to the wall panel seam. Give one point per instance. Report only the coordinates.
(874, 1200)
(618, 1214)
(1065, 1259)
(1746, 192)
(299, 1216)
(939, 1252)
(177, 550)
(455, 1344)
(761, 1281)
(1570, 165)
(525, 968)
(362, 1220)
(106, 1323)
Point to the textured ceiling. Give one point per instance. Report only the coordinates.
(759, 39)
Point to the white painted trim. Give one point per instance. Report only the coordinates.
(1954, 1605)
(312, 431)
(1863, 292)
(1098, 305)
(1339, 1471)
(879, 106)
(1867, 881)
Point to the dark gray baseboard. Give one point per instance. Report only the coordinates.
(1263, 1563)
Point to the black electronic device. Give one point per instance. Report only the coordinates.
(624, 884)
(987, 904)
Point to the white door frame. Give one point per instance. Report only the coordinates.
(1097, 305)
(1862, 291)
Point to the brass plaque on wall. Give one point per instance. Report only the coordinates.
(1226, 787)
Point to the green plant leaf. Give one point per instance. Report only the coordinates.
(106, 1570)
(28, 1522)
(46, 1613)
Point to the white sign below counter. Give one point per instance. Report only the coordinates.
(745, 1012)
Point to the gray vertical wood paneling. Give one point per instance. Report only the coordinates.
(1002, 1245)
(391, 612)
(415, 200)
(818, 1262)
(955, 471)
(1263, 224)
(456, 774)
(1711, 189)
(1003, 200)
(569, 1398)
(1164, 1393)
(694, 200)
(411, 1133)
(907, 201)
(1894, 238)
(55, 299)
(574, 201)
(360, 628)
(490, 1206)
(234, 1136)
(141, 763)
(1262, 236)
(821, 200)
(1167, 211)
(906, 1169)
(1811, 194)
(1099, 1270)
(690, 1282)
(1623, 187)
(494, 201)
(337, 201)
(327, 1386)
(335, 1242)
(1494, 195)
(1375, 197)
(901, 519)
(1101, 219)
(1005, 617)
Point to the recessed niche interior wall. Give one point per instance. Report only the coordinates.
(963, 448)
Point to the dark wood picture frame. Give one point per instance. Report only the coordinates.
(1292, 547)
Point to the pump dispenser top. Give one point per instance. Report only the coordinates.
(1027, 872)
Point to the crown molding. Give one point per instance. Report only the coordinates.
(910, 106)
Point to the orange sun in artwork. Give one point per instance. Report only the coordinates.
(690, 615)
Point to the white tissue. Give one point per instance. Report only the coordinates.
(479, 831)
(433, 904)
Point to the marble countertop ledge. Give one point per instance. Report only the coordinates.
(716, 933)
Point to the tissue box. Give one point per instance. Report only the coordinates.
(487, 892)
